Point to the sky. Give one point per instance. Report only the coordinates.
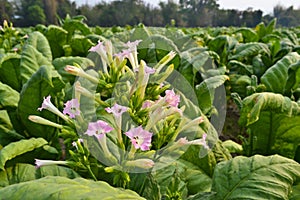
(265, 5)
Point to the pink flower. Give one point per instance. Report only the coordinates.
(147, 70)
(117, 110)
(49, 106)
(99, 47)
(201, 141)
(147, 104)
(171, 98)
(98, 129)
(140, 138)
(132, 45)
(72, 108)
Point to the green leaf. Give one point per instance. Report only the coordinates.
(276, 76)
(80, 46)
(293, 80)
(10, 70)
(26, 172)
(205, 91)
(206, 162)
(18, 148)
(145, 185)
(233, 147)
(40, 43)
(244, 51)
(36, 52)
(60, 63)
(249, 35)
(9, 98)
(256, 177)
(43, 83)
(57, 38)
(295, 194)
(222, 45)
(7, 132)
(63, 188)
(273, 121)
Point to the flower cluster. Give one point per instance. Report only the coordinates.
(156, 111)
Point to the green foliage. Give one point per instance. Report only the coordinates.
(273, 122)
(256, 177)
(9, 98)
(63, 188)
(275, 78)
(10, 71)
(18, 148)
(44, 82)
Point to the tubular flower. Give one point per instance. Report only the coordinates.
(98, 129)
(49, 106)
(171, 98)
(72, 108)
(117, 110)
(140, 138)
(40, 163)
(142, 163)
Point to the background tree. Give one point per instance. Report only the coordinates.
(6, 10)
(50, 9)
(171, 11)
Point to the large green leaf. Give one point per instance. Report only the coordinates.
(293, 80)
(244, 51)
(80, 45)
(10, 71)
(36, 52)
(145, 185)
(222, 45)
(63, 188)
(7, 132)
(26, 172)
(57, 38)
(249, 35)
(9, 98)
(40, 43)
(256, 177)
(275, 77)
(43, 83)
(273, 121)
(60, 63)
(205, 91)
(15, 149)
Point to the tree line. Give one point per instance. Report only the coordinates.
(186, 13)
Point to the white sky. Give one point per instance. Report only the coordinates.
(265, 5)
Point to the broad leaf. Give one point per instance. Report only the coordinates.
(57, 38)
(15, 149)
(9, 98)
(293, 81)
(273, 121)
(256, 177)
(248, 50)
(26, 172)
(10, 71)
(60, 63)
(249, 35)
(7, 132)
(275, 77)
(36, 52)
(40, 43)
(43, 83)
(63, 188)
(205, 91)
(80, 46)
